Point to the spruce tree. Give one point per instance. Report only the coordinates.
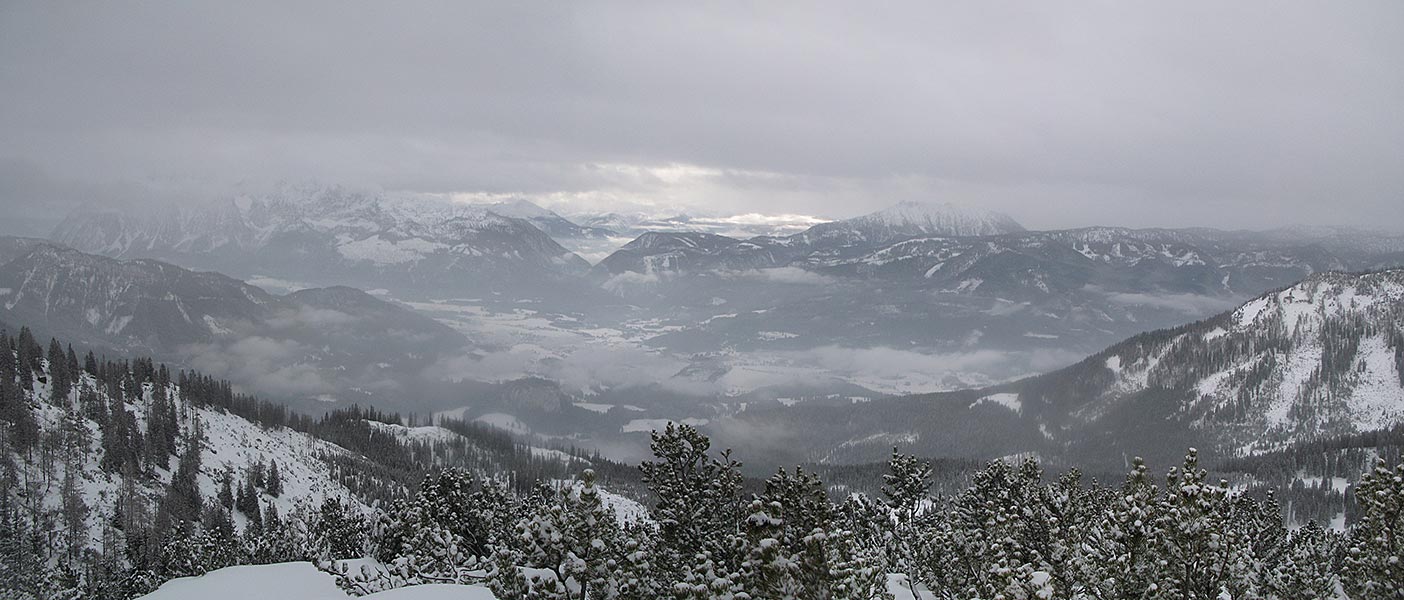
(74, 369)
(74, 510)
(246, 500)
(59, 376)
(274, 480)
(225, 495)
(27, 356)
(18, 414)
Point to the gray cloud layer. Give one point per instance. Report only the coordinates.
(1185, 113)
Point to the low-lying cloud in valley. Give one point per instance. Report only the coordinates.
(579, 370)
(1189, 304)
(272, 366)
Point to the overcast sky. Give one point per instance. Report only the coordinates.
(1233, 114)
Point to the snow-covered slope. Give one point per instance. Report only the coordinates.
(229, 444)
(294, 581)
(1318, 359)
(331, 236)
(1322, 357)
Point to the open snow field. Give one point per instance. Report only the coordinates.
(294, 581)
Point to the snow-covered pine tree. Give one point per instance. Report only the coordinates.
(596, 538)
(770, 568)
(1193, 546)
(906, 490)
(475, 511)
(804, 504)
(999, 534)
(635, 577)
(1304, 569)
(810, 538)
(704, 579)
(571, 543)
(337, 531)
(447, 533)
(1119, 560)
(1072, 511)
(1373, 566)
(813, 555)
(698, 507)
(434, 556)
(218, 543)
(505, 578)
(907, 485)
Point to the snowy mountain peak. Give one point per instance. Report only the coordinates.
(907, 220)
(944, 219)
(673, 240)
(558, 227)
(521, 209)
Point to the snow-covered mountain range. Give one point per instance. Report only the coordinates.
(743, 225)
(1070, 291)
(965, 298)
(332, 236)
(908, 220)
(558, 227)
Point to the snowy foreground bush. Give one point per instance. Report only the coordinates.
(1010, 535)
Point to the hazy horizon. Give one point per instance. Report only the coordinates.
(1254, 115)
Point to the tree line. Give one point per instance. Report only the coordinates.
(1011, 534)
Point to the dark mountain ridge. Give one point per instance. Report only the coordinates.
(292, 346)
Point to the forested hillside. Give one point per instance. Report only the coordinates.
(116, 475)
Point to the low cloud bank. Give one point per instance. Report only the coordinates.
(269, 365)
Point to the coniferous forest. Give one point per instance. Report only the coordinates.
(485, 510)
